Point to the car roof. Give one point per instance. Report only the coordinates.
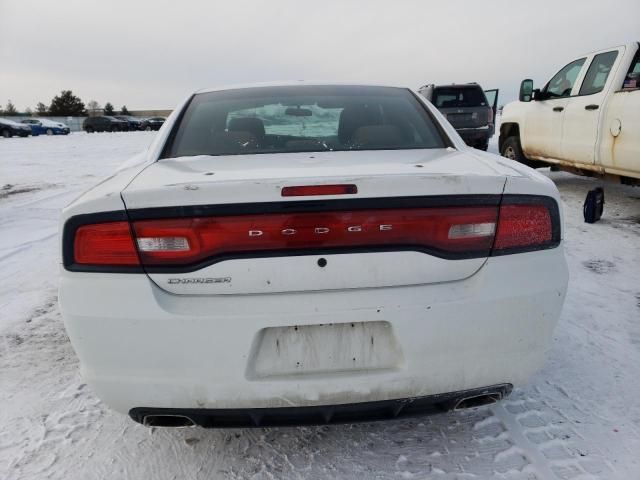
(293, 84)
(458, 85)
(594, 52)
(13, 122)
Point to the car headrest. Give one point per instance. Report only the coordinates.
(353, 117)
(378, 136)
(254, 126)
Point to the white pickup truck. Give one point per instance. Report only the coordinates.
(585, 120)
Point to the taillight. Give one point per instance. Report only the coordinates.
(108, 243)
(523, 227)
(521, 223)
(490, 116)
(448, 231)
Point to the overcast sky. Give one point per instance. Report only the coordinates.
(151, 54)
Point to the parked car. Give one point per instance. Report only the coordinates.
(9, 128)
(470, 110)
(585, 119)
(42, 126)
(153, 123)
(302, 254)
(134, 123)
(104, 124)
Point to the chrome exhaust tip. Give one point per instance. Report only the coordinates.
(175, 421)
(478, 400)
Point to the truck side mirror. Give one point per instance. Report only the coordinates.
(526, 90)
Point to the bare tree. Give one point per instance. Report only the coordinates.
(93, 107)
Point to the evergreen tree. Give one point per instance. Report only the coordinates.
(10, 109)
(108, 108)
(124, 111)
(66, 104)
(41, 108)
(28, 111)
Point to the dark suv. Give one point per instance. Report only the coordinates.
(104, 124)
(467, 109)
(133, 122)
(153, 123)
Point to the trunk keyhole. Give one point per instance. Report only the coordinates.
(322, 262)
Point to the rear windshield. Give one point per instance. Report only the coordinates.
(303, 119)
(459, 97)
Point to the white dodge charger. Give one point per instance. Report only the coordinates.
(306, 253)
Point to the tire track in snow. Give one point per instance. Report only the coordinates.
(538, 461)
(545, 435)
(27, 245)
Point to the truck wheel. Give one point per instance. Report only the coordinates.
(6, 134)
(512, 150)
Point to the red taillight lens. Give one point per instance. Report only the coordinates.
(522, 226)
(522, 223)
(449, 230)
(309, 190)
(105, 244)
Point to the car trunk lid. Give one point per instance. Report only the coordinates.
(305, 243)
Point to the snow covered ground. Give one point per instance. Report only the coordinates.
(578, 418)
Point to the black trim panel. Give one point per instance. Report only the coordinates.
(174, 130)
(323, 414)
(302, 206)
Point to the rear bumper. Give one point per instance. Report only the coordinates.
(142, 347)
(476, 135)
(323, 414)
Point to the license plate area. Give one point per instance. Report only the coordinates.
(324, 349)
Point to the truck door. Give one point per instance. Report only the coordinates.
(585, 108)
(543, 121)
(492, 99)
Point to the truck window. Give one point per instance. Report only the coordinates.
(632, 80)
(562, 82)
(598, 73)
(459, 97)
